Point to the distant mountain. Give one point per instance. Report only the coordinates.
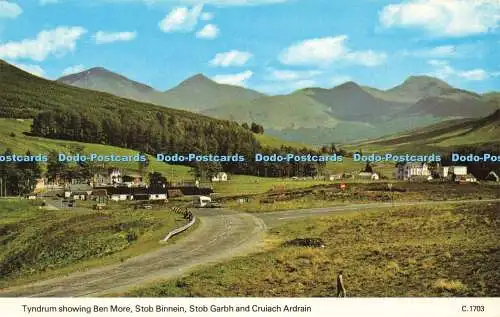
(343, 113)
(350, 102)
(351, 112)
(293, 111)
(101, 79)
(196, 93)
(199, 93)
(452, 103)
(416, 88)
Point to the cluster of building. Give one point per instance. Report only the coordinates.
(422, 171)
(113, 185)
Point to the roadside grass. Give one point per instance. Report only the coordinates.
(12, 135)
(415, 252)
(37, 244)
(330, 194)
(242, 185)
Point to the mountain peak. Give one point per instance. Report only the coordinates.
(92, 72)
(425, 80)
(198, 78)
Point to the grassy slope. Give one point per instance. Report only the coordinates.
(483, 132)
(42, 243)
(270, 141)
(418, 251)
(301, 112)
(21, 143)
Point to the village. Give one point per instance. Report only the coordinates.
(117, 185)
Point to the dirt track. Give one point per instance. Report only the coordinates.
(220, 235)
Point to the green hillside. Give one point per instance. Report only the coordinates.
(482, 133)
(13, 136)
(293, 111)
(64, 112)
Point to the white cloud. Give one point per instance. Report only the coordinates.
(445, 71)
(292, 75)
(326, 50)
(30, 68)
(366, 58)
(181, 19)
(110, 37)
(435, 52)
(207, 16)
(56, 41)
(238, 79)
(444, 17)
(73, 70)
(9, 10)
(231, 58)
(208, 32)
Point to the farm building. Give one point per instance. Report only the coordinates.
(408, 170)
(447, 171)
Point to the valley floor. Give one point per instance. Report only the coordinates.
(434, 250)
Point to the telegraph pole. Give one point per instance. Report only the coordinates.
(390, 190)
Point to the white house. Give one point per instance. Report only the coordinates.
(158, 196)
(447, 171)
(115, 176)
(409, 170)
(370, 176)
(120, 197)
(219, 177)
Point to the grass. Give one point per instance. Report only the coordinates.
(330, 194)
(441, 137)
(19, 143)
(37, 243)
(276, 143)
(418, 251)
(241, 185)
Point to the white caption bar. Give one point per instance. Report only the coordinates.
(317, 307)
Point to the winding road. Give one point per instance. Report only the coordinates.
(221, 234)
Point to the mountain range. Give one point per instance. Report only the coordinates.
(196, 93)
(343, 113)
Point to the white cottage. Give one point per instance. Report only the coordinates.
(219, 177)
(408, 170)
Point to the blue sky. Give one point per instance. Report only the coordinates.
(275, 46)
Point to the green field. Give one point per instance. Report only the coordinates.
(270, 141)
(414, 251)
(12, 135)
(36, 243)
(330, 194)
